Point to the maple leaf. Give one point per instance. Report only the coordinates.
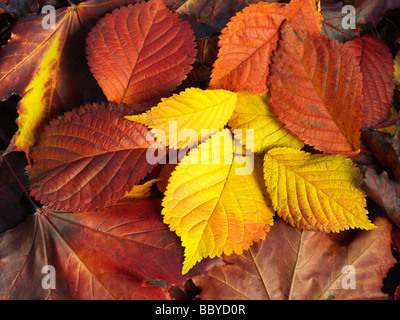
(212, 207)
(316, 90)
(137, 59)
(315, 191)
(250, 38)
(89, 158)
(41, 65)
(203, 111)
(376, 65)
(108, 254)
(253, 112)
(295, 265)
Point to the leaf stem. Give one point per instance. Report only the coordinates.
(19, 182)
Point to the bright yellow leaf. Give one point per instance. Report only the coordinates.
(35, 104)
(217, 207)
(202, 112)
(315, 191)
(253, 112)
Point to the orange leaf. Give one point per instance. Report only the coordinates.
(140, 53)
(316, 90)
(250, 38)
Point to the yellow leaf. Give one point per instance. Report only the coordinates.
(315, 191)
(35, 104)
(204, 112)
(141, 191)
(217, 207)
(253, 112)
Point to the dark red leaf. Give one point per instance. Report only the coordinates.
(107, 254)
(89, 158)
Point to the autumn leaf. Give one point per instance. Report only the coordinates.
(315, 191)
(214, 204)
(253, 112)
(316, 90)
(384, 191)
(250, 38)
(107, 254)
(204, 111)
(294, 265)
(140, 53)
(377, 70)
(89, 158)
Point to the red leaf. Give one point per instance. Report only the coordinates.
(377, 68)
(89, 158)
(315, 86)
(107, 254)
(250, 38)
(140, 53)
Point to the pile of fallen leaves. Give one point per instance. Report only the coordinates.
(199, 149)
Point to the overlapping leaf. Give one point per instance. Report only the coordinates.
(376, 66)
(201, 111)
(140, 53)
(315, 192)
(214, 203)
(48, 66)
(254, 113)
(107, 254)
(316, 90)
(89, 158)
(250, 38)
(295, 265)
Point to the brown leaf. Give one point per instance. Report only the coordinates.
(290, 264)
